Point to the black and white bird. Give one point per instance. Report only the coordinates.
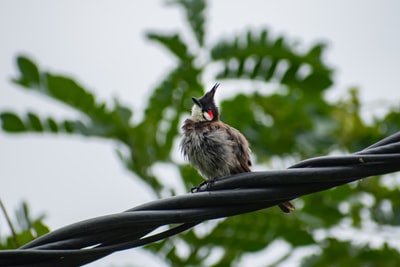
(214, 148)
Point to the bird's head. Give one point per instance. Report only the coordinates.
(204, 108)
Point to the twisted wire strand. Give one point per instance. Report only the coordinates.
(86, 241)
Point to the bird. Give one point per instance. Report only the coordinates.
(213, 147)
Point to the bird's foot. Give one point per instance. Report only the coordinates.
(195, 189)
(208, 183)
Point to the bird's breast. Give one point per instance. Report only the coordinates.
(208, 149)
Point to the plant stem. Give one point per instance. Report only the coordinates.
(14, 233)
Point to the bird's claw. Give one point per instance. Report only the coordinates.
(195, 189)
(209, 184)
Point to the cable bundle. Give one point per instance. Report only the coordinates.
(89, 240)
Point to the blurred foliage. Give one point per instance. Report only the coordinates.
(346, 254)
(285, 116)
(25, 228)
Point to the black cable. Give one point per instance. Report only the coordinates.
(92, 239)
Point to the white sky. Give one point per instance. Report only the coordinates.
(102, 45)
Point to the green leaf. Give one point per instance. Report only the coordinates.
(29, 72)
(12, 122)
(52, 125)
(34, 122)
(25, 237)
(40, 228)
(194, 10)
(68, 126)
(174, 44)
(69, 92)
(391, 121)
(316, 82)
(122, 114)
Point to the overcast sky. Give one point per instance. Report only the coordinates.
(102, 45)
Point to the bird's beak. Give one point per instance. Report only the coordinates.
(196, 101)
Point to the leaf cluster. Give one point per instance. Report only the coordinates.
(25, 228)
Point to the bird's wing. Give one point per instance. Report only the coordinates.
(241, 149)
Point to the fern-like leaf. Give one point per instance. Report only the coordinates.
(32, 122)
(174, 44)
(254, 55)
(102, 121)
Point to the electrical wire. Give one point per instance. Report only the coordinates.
(86, 241)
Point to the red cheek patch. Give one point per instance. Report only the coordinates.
(210, 113)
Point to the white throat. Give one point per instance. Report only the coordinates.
(197, 114)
